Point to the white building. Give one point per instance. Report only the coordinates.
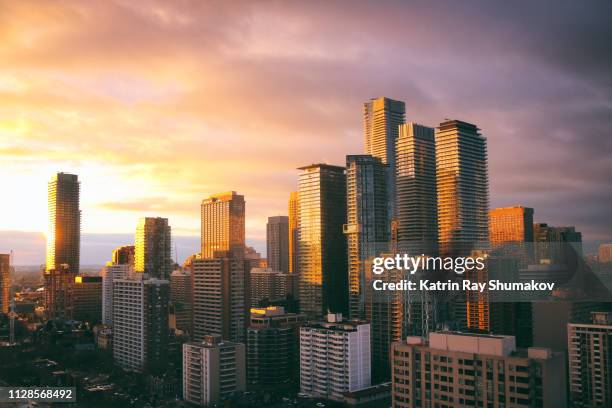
(212, 370)
(110, 273)
(334, 357)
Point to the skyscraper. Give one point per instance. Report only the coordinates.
(277, 243)
(5, 265)
(462, 187)
(153, 248)
(63, 243)
(219, 298)
(510, 224)
(223, 225)
(87, 299)
(557, 245)
(416, 198)
(381, 119)
(294, 211)
(322, 244)
(111, 273)
(367, 223)
(181, 294)
(124, 255)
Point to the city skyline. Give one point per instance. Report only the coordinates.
(95, 127)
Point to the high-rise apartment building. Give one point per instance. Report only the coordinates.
(63, 243)
(273, 348)
(140, 323)
(87, 299)
(223, 225)
(334, 357)
(213, 370)
(124, 255)
(294, 211)
(557, 245)
(381, 119)
(367, 222)
(416, 197)
(462, 187)
(153, 249)
(5, 268)
(590, 364)
(110, 273)
(219, 298)
(322, 248)
(268, 284)
(277, 243)
(459, 370)
(181, 296)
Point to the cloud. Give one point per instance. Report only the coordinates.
(160, 104)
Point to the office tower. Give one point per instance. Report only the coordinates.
(416, 198)
(458, 369)
(590, 368)
(140, 323)
(152, 253)
(273, 348)
(604, 253)
(462, 188)
(367, 223)
(5, 283)
(223, 225)
(124, 255)
(277, 243)
(321, 243)
(213, 370)
(381, 120)
(219, 298)
(510, 224)
(110, 273)
(294, 211)
(63, 243)
(87, 299)
(557, 245)
(181, 295)
(334, 357)
(268, 284)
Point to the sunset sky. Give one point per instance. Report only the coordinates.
(157, 105)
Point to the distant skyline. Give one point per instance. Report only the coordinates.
(158, 105)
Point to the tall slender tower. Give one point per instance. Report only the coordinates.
(416, 198)
(366, 227)
(63, 243)
(381, 119)
(463, 187)
(322, 244)
(294, 210)
(5, 266)
(223, 225)
(277, 243)
(152, 253)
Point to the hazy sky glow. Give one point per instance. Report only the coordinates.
(156, 105)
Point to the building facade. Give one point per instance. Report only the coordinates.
(458, 369)
(381, 120)
(63, 243)
(87, 299)
(294, 211)
(277, 243)
(153, 248)
(124, 255)
(219, 306)
(322, 244)
(590, 363)
(5, 283)
(223, 225)
(366, 228)
(334, 357)
(213, 370)
(268, 284)
(181, 296)
(110, 273)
